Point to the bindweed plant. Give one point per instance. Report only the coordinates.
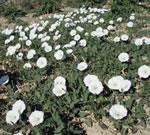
(68, 67)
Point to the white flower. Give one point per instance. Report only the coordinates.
(89, 79)
(57, 47)
(48, 48)
(105, 32)
(12, 117)
(77, 37)
(117, 39)
(82, 66)
(27, 65)
(147, 41)
(123, 57)
(69, 51)
(110, 27)
(12, 37)
(18, 133)
(18, 46)
(11, 50)
(59, 55)
(138, 42)
(125, 86)
(101, 20)
(144, 71)
(73, 32)
(115, 82)
(118, 111)
(72, 43)
(80, 29)
(28, 42)
(95, 87)
(99, 29)
(41, 62)
(19, 56)
(30, 55)
(19, 106)
(60, 81)
(83, 43)
(59, 90)
(124, 37)
(96, 22)
(86, 34)
(111, 22)
(44, 44)
(7, 41)
(119, 19)
(36, 118)
(132, 17)
(26, 29)
(130, 24)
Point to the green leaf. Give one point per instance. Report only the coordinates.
(130, 102)
(83, 114)
(35, 131)
(134, 130)
(89, 122)
(117, 125)
(77, 132)
(124, 131)
(102, 125)
(143, 123)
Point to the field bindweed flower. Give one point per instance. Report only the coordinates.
(18, 46)
(12, 117)
(41, 62)
(110, 27)
(19, 106)
(77, 37)
(60, 80)
(144, 71)
(59, 55)
(117, 39)
(28, 43)
(73, 32)
(36, 118)
(125, 86)
(119, 19)
(132, 17)
(83, 43)
(147, 41)
(123, 57)
(88, 79)
(96, 87)
(130, 24)
(124, 37)
(82, 66)
(118, 111)
(59, 90)
(48, 48)
(115, 82)
(101, 20)
(11, 50)
(18, 133)
(111, 22)
(138, 42)
(19, 56)
(27, 65)
(69, 51)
